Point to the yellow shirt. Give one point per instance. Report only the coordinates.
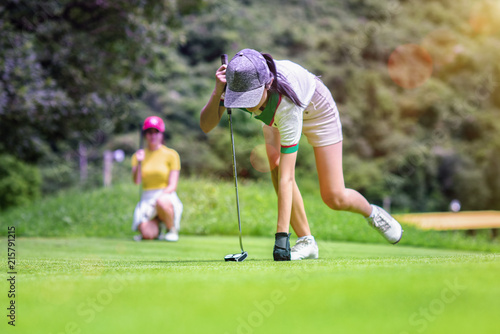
(156, 167)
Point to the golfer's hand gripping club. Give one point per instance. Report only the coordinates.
(223, 59)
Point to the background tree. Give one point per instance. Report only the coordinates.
(67, 66)
(90, 71)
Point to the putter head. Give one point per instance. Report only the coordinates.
(238, 257)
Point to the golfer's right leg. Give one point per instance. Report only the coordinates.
(166, 213)
(298, 218)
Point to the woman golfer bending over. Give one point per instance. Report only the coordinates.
(290, 101)
(158, 168)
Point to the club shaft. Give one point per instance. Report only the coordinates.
(139, 164)
(235, 173)
(224, 59)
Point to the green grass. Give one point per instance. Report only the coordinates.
(209, 209)
(99, 285)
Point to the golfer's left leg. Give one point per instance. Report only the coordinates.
(331, 182)
(337, 197)
(298, 219)
(165, 211)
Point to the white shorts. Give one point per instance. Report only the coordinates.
(321, 124)
(145, 210)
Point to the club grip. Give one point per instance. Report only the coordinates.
(223, 59)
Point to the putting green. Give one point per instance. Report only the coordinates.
(92, 285)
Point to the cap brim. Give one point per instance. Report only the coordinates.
(248, 99)
(153, 127)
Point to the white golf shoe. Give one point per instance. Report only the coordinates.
(304, 248)
(172, 235)
(385, 224)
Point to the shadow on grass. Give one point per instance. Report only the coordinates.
(206, 261)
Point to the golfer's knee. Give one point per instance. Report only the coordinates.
(149, 230)
(165, 205)
(335, 199)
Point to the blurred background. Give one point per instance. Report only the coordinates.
(417, 84)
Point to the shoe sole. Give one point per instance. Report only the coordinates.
(310, 257)
(402, 231)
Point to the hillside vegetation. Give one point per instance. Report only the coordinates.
(210, 209)
(416, 83)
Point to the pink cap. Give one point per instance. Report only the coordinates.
(154, 122)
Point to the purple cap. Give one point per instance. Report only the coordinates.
(247, 75)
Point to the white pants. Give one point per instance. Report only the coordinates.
(145, 210)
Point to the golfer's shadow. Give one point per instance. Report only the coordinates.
(202, 261)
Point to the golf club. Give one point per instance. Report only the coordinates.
(138, 237)
(238, 257)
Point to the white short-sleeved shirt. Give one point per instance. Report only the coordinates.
(281, 112)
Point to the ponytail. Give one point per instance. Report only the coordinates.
(280, 84)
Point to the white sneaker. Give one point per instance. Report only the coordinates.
(172, 235)
(385, 224)
(304, 248)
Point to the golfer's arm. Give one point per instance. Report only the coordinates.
(211, 112)
(285, 190)
(173, 180)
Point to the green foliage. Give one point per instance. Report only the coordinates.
(67, 66)
(365, 176)
(20, 183)
(210, 209)
(421, 147)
